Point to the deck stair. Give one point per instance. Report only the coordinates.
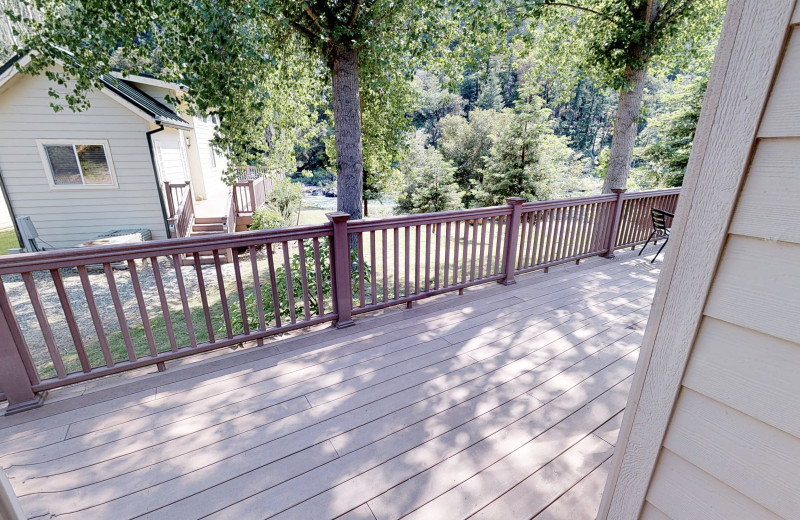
(204, 226)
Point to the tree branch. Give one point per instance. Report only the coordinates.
(354, 14)
(314, 18)
(677, 11)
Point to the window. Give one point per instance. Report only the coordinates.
(78, 164)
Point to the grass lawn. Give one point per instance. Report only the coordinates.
(8, 240)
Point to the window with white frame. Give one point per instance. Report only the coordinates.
(78, 164)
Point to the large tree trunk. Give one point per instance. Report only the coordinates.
(347, 130)
(626, 126)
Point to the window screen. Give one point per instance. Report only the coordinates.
(78, 164)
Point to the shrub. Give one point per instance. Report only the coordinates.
(265, 218)
(285, 199)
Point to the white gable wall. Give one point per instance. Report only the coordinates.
(212, 172)
(65, 217)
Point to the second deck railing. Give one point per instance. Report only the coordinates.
(74, 315)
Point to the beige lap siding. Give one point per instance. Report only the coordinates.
(734, 438)
(65, 217)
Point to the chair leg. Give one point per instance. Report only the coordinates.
(660, 249)
(645, 244)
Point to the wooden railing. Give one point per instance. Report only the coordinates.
(181, 213)
(249, 195)
(72, 315)
(176, 193)
(635, 225)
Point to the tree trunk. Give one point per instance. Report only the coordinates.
(347, 131)
(626, 127)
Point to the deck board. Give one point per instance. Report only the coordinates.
(504, 402)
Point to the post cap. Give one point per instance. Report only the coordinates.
(338, 216)
(619, 190)
(515, 200)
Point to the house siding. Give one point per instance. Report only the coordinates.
(733, 441)
(212, 173)
(65, 218)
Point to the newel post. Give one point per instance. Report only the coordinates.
(512, 237)
(616, 215)
(340, 269)
(15, 379)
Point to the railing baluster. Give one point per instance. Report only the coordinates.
(489, 248)
(457, 236)
(408, 259)
(262, 322)
(533, 249)
(531, 237)
(69, 316)
(162, 296)
(95, 313)
(562, 232)
(437, 261)
(223, 296)
(123, 321)
(44, 325)
(360, 241)
(137, 290)
(287, 271)
(446, 253)
(273, 284)
(385, 263)
(374, 277)
(318, 274)
(201, 287)
(482, 253)
(176, 260)
(465, 252)
(521, 244)
(427, 257)
(417, 241)
(498, 248)
(396, 263)
(474, 249)
(237, 271)
(304, 279)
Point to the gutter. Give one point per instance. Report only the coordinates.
(149, 135)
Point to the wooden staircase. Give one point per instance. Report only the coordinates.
(203, 226)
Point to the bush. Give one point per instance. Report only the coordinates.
(266, 218)
(285, 199)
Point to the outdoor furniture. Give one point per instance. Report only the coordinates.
(660, 230)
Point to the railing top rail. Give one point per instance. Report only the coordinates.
(356, 226)
(561, 203)
(27, 262)
(651, 193)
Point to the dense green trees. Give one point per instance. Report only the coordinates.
(537, 98)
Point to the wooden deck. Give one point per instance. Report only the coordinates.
(500, 403)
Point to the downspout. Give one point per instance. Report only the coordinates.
(10, 209)
(157, 176)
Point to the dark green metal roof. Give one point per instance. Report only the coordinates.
(160, 112)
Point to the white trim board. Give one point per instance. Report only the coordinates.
(751, 45)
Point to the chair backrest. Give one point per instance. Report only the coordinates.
(659, 217)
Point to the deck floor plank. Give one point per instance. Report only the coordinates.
(504, 402)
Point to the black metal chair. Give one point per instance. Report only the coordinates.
(660, 230)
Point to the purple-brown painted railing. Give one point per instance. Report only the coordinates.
(176, 193)
(635, 224)
(279, 280)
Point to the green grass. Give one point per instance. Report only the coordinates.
(8, 240)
